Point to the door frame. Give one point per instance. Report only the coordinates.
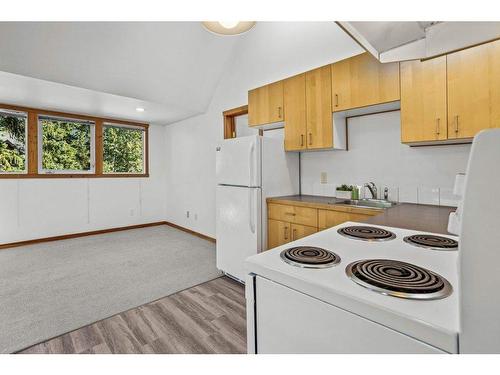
(230, 123)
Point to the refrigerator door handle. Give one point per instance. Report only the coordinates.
(250, 211)
(250, 162)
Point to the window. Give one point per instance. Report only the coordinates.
(13, 141)
(65, 145)
(37, 143)
(123, 149)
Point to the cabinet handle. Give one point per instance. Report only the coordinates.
(286, 235)
(279, 112)
(456, 124)
(336, 100)
(302, 140)
(290, 213)
(437, 126)
(294, 234)
(310, 139)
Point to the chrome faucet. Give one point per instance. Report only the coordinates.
(373, 189)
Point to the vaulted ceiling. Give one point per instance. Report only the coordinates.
(170, 68)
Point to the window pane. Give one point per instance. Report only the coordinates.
(123, 150)
(66, 145)
(13, 127)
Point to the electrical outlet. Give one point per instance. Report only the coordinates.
(324, 178)
(132, 212)
(196, 216)
(187, 214)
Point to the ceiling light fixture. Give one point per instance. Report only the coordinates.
(228, 27)
(140, 109)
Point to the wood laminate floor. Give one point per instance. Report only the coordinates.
(208, 318)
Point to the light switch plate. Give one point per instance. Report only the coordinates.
(324, 178)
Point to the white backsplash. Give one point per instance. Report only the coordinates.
(422, 175)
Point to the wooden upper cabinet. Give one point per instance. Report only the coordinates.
(265, 104)
(294, 100)
(473, 90)
(423, 100)
(362, 80)
(319, 109)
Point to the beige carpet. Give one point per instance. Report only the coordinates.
(52, 288)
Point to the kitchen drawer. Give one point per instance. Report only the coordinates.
(331, 218)
(293, 214)
(328, 218)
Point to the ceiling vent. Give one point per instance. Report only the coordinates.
(399, 41)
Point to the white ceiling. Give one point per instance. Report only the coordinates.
(169, 68)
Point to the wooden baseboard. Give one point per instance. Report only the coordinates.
(101, 231)
(208, 238)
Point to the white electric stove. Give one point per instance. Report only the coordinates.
(341, 306)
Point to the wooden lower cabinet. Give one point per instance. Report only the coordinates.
(281, 232)
(299, 231)
(278, 233)
(330, 218)
(288, 223)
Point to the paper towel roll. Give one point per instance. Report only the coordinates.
(458, 189)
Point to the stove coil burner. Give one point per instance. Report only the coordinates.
(430, 241)
(309, 257)
(365, 233)
(399, 279)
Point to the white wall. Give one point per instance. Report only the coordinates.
(413, 174)
(37, 208)
(271, 51)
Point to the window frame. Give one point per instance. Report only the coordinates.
(41, 170)
(3, 109)
(144, 148)
(34, 150)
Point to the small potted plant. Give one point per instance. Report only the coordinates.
(344, 192)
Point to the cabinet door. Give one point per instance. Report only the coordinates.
(318, 108)
(473, 90)
(423, 100)
(265, 104)
(362, 80)
(299, 231)
(294, 100)
(278, 233)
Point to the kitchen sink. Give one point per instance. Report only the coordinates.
(371, 203)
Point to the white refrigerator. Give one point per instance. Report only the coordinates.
(248, 170)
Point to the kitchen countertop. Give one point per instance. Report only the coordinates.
(423, 217)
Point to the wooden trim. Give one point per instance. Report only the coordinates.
(102, 231)
(239, 111)
(32, 144)
(197, 234)
(146, 151)
(78, 116)
(99, 157)
(32, 153)
(229, 122)
(76, 235)
(72, 175)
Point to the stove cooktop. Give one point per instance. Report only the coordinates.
(309, 257)
(399, 279)
(434, 321)
(366, 233)
(431, 241)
